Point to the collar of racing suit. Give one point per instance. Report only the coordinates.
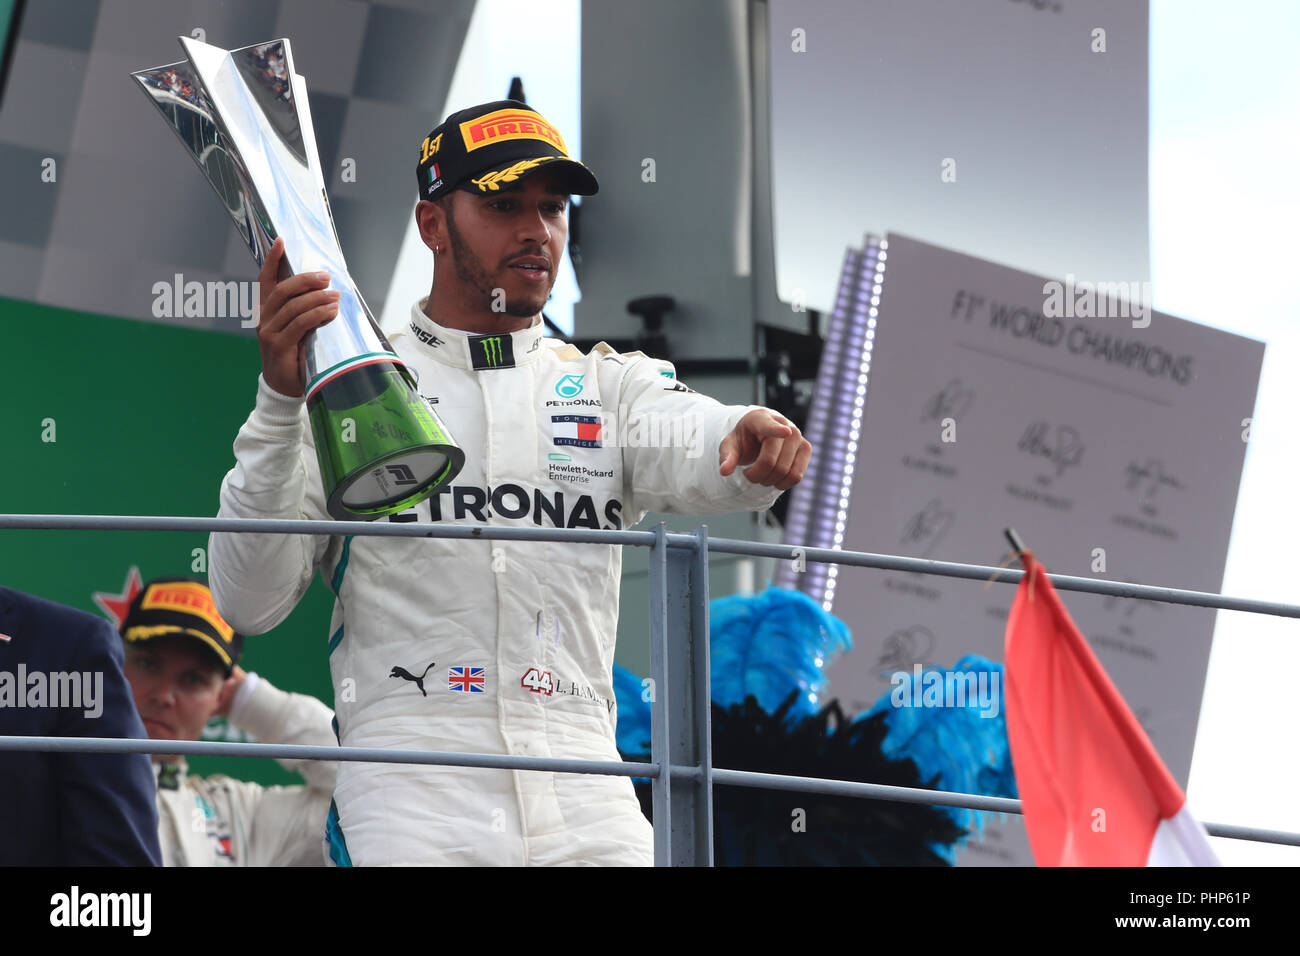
(170, 776)
(466, 350)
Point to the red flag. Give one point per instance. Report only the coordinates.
(1093, 789)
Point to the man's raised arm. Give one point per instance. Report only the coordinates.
(689, 454)
(257, 579)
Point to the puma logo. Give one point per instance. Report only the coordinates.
(404, 674)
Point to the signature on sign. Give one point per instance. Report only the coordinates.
(906, 647)
(951, 401)
(1151, 476)
(927, 527)
(1060, 446)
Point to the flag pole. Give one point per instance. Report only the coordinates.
(1017, 545)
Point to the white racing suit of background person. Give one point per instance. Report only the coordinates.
(483, 646)
(217, 821)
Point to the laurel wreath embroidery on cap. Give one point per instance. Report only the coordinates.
(508, 175)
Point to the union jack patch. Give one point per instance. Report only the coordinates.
(467, 680)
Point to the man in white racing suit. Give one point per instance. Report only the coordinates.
(486, 646)
(180, 662)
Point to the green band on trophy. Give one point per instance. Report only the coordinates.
(348, 365)
(381, 448)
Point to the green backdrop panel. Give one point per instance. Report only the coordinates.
(142, 417)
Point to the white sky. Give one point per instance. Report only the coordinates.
(1225, 131)
(1225, 201)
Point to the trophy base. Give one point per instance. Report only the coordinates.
(381, 448)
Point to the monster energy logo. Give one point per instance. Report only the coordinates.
(492, 351)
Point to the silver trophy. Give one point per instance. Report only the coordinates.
(244, 118)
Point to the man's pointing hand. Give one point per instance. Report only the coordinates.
(773, 448)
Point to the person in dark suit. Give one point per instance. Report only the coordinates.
(61, 675)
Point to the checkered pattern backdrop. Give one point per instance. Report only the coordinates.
(129, 209)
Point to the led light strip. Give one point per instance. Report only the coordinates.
(819, 516)
(798, 518)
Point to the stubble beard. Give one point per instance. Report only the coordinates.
(470, 271)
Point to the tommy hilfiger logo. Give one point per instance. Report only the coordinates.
(582, 431)
(492, 351)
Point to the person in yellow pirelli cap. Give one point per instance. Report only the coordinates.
(182, 663)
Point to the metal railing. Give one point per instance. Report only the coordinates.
(681, 768)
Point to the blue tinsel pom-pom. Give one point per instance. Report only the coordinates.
(966, 746)
(770, 643)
